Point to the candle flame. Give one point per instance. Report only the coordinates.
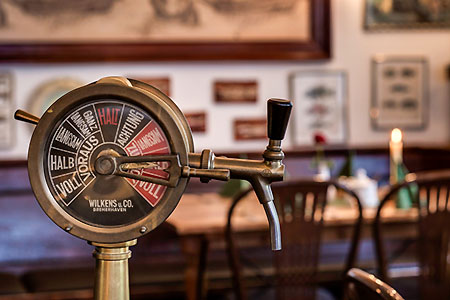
(396, 135)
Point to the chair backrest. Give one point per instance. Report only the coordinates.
(432, 201)
(300, 205)
(360, 285)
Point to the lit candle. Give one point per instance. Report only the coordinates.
(396, 153)
(396, 146)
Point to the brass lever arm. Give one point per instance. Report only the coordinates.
(24, 116)
(120, 165)
(242, 168)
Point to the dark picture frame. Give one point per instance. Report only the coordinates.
(320, 106)
(406, 14)
(400, 92)
(7, 124)
(317, 47)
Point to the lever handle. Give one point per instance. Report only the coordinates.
(278, 112)
(24, 116)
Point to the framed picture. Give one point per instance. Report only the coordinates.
(320, 106)
(6, 110)
(140, 30)
(399, 92)
(406, 14)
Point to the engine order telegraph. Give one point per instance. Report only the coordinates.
(109, 162)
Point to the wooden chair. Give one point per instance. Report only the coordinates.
(432, 202)
(360, 285)
(301, 205)
(232, 250)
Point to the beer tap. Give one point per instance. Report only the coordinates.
(259, 173)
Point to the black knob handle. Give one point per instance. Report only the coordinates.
(278, 112)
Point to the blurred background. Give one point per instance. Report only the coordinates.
(191, 83)
(354, 70)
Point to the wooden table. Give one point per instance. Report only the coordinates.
(200, 216)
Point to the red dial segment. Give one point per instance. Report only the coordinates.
(150, 140)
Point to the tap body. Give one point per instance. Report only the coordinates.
(260, 174)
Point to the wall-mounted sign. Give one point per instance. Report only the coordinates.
(399, 92)
(161, 83)
(6, 113)
(253, 129)
(197, 121)
(236, 91)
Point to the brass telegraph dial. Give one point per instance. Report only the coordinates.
(83, 167)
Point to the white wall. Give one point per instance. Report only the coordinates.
(191, 83)
(354, 49)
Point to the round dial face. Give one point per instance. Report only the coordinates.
(97, 128)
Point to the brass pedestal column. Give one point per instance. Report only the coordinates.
(111, 270)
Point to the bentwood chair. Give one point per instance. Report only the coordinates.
(360, 285)
(300, 205)
(431, 197)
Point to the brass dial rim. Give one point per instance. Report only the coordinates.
(156, 104)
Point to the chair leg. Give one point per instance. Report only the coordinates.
(195, 249)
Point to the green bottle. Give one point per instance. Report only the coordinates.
(406, 195)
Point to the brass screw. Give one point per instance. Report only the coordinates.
(68, 228)
(143, 229)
